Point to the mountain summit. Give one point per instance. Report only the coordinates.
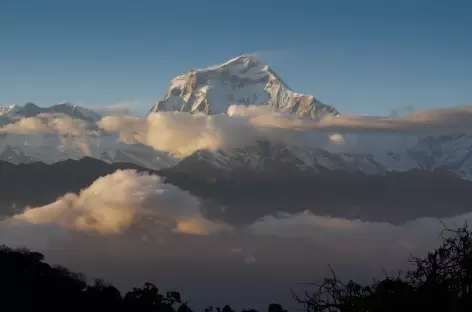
(243, 80)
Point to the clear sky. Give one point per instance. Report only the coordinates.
(361, 56)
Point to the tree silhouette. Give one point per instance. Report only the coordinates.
(29, 283)
(275, 307)
(442, 281)
(227, 308)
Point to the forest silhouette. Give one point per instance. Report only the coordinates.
(441, 281)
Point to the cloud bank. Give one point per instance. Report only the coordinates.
(180, 134)
(48, 123)
(72, 133)
(340, 232)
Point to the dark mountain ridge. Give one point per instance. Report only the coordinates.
(243, 195)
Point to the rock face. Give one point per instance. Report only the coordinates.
(243, 80)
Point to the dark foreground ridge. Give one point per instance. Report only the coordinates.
(442, 281)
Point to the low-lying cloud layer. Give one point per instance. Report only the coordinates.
(181, 134)
(426, 121)
(48, 123)
(340, 232)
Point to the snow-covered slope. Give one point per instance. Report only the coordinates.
(242, 80)
(51, 148)
(13, 113)
(270, 158)
(448, 152)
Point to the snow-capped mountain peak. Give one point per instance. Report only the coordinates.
(243, 80)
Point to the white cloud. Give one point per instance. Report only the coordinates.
(417, 122)
(48, 123)
(120, 201)
(248, 111)
(75, 133)
(181, 134)
(428, 121)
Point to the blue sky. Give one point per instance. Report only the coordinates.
(361, 56)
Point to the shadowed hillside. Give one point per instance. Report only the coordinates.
(247, 195)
